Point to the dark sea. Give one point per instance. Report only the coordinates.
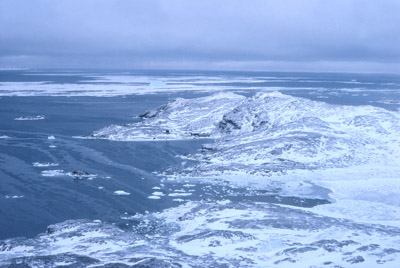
(69, 201)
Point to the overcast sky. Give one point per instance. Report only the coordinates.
(302, 35)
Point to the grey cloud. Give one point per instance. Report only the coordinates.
(101, 32)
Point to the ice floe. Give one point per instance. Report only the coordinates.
(154, 197)
(157, 193)
(30, 118)
(53, 173)
(179, 194)
(157, 83)
(121, 192)
(13, 196)
(76, 174)
(44, 164)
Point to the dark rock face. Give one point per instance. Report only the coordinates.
(156, 112)
(356, 259)
(228, 124)
(80, 174)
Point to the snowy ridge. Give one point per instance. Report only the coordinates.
(277, 132)
(179, 119)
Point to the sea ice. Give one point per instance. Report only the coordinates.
(154, 197)
(76, 174)
(53, 173)
(47, 164)
(157, 83)
(179, 194)
(30, 118)
(158, 193)
(121, 192)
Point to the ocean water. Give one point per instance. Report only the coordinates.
(272, 170)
